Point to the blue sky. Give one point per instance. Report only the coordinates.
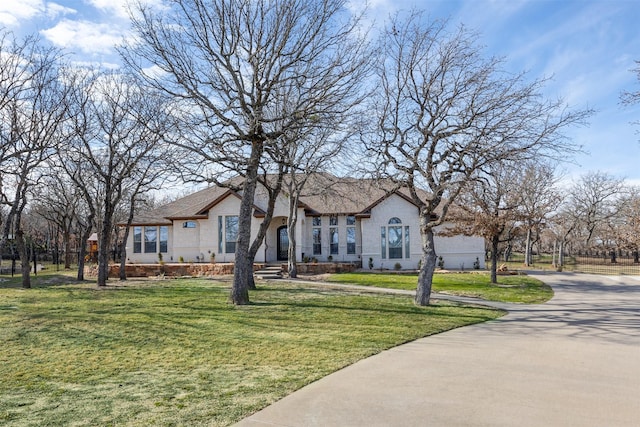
(587, 47)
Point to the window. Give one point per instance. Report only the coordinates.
(164, 238)
(333, 220)
(351, 234)
(351, 240)
(150, 239)
(220, 240)
(230, 233)
(189, 224)
(317, 235)
(317, 241)
(333, 240)
(137, 240)
(407, 246)
(394, 239)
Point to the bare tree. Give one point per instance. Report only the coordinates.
(58, 202)
(592, 201)
(630, 98)
(230, 63)
(444, 111)
(305, 156)
(538, 200)
(488, 207)
(117, 132)
(626, 223)
(32, 114)
(150, 175)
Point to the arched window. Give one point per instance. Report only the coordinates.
(394, 240)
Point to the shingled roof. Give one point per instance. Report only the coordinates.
(327, 194)
(324, 194)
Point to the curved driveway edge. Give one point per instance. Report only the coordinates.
(574, 361)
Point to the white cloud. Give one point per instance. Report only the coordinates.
(54, 10)
(118, 7)
(154, 72)
(88, 37)
(11, 12)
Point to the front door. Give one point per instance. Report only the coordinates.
(283, 243)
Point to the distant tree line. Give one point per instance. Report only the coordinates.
(525, 208)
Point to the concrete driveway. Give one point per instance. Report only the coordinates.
(574, 361)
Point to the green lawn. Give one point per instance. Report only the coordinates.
(517, 289)
(175, 352)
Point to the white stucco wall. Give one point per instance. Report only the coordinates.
(393, 206)
(186, 241)
(458, 252)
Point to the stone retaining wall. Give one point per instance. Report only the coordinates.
(323, 268)
(167, 269)
(205, 269)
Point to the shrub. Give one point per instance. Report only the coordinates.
(397, 266)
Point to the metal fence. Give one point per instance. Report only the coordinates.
(603, 261)
(595, 261)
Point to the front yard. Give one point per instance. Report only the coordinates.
(175, 352)
(512, 289)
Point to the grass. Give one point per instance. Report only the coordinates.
(175, 352)
(513, 289)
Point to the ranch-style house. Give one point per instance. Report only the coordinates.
(339, 219)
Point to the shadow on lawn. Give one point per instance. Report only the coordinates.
(40, 281)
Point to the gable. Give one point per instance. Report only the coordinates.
(394, 205)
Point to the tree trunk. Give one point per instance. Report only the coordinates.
(428, 264)
(83, 246)
(262, 230)
(66, 237)
(104, 241)
(25, 261)
(123, 253)
(527, 249)
(507, 252)
(291, 231)
(243, 271)
(495, 240)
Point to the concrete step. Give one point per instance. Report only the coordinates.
(269, 272)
